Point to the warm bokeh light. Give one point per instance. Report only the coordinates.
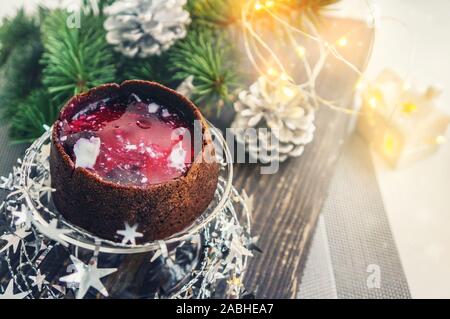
(272, 64)
(388, 144)
(408, 107)
(342, 42)
(288, 92)
(301, 51)
(270, 3)
(285, 77)
(373, 102)
(272, 72)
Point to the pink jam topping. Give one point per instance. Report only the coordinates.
(137, 143)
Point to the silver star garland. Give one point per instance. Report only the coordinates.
(129, 234)
(9, 292)
(24, 216)
(87, 276)
(14, 239)
(223, 234)
(53, 232)
(39, 280)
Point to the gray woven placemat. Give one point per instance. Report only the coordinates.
(8, 153)
(318, 279)
(353, 253)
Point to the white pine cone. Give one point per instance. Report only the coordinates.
(145, 27)
(281, 107)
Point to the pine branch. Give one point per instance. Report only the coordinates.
(20, 75)
(214, 13)
(151, 69)
(204, 55)
(15, 33)
(75, 59)
(313, 10)
(20, 52)
(32, 113)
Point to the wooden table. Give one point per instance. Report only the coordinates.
(288, 203)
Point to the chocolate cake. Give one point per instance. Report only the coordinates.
(127, 154)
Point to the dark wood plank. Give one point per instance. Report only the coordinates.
(288, 204)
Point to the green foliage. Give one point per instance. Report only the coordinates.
(151, 69)
(15, 33)
(314, 9)
(214, 13)
(32, 113)
(43, 62)
(21, 74)
(20, 52)
(207, 57)
(75, 59)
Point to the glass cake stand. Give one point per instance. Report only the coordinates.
(193, 263)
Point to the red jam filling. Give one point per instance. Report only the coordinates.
(133, 143)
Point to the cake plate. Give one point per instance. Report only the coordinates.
(48, 257)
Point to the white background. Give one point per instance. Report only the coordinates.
(417, 198)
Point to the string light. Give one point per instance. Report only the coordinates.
(261, 54)
(268, 4)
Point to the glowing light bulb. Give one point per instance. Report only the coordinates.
(342, 41)
(285, 77)
(288, 92)
(301, 51)
(373, 102)
(440, 139)
(409, 107)
(389, 144)
(272, 72)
